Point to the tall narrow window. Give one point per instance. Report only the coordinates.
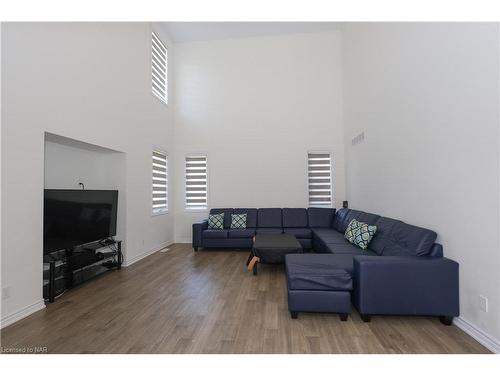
(196, 182)
(159, 64)
(319, 175)
(160, 182)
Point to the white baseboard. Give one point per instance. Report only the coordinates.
(183, 240)
(482, 337)
(22, 313)
(129, 262)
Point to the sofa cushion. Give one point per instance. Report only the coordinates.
(315, 272)
(344, 261)
(368, 218)
(269, 218)
(381, 238)
(251, 216)
(395, 237)
(295, 218)
(238, 221)
(215, 233)
(227, 215)
(352, 214)
(360, 234)
(299, 232)
(216, 221)
(269, 231)
(410, 239)
(241, 233)
(329, 235)
(320, 217)
(347, 248)
(338, 219)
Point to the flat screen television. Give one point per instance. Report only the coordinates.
(77, 217)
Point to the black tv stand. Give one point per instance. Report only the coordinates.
(68, 268)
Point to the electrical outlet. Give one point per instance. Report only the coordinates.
(5, 292)
(483, 303)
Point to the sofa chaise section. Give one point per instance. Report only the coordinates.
(403, 271)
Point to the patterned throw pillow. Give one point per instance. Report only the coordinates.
(238, 221)
(216, 221)
(360, 234)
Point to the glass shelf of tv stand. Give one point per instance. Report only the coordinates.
(79, 265)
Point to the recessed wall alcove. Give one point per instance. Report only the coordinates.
(69, 162)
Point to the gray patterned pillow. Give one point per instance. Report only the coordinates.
(359, 233)
(238, 221)
(216, 221)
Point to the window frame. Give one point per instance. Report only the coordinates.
(332, 193)
(165, 99)
(165, 210)
(198, 209)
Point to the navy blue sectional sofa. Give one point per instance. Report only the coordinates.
(403, 271)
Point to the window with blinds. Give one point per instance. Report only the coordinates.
(319, 176)
(160, 182)
(196, 182)
(159, 59)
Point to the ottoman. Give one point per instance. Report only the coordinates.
(272, 248)
(316, 283)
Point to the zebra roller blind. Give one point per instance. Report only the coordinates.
(159, 60)
(319, 176)
(160, 182)
(196, 182)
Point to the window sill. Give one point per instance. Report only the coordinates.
(194, 210)
(159, 213)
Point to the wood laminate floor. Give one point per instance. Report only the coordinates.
(206, 302)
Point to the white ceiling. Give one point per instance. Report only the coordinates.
(199, 31)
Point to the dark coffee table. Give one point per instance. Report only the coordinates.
(271, 249)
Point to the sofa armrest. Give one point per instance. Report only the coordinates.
(405, 285)
(198, 229)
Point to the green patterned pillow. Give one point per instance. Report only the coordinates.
(216, 221)
(360, 234)
(238, 221)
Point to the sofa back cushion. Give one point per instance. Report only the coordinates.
(251, 216)
(269, 218)
(395, 237)
(368, 218)
(320, 217)
(294, 218)
(338, 220)
(227, 215)
(383, 235)
(352, 214)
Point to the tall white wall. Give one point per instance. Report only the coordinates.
(427, 98)
(255, 106)
(90, 82)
